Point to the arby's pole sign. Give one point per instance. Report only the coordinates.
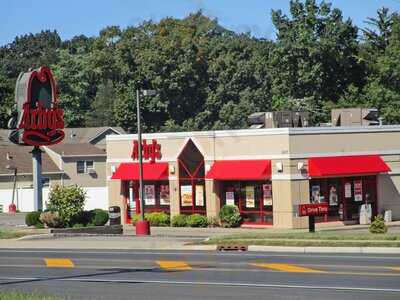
(37, 120)
(149, 151)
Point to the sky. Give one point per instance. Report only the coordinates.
(88, 17)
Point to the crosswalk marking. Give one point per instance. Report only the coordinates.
(173, 265)
(59, 263)
(288, 268)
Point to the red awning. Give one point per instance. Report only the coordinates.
(346, 166)
(151, 171)
(240, 170)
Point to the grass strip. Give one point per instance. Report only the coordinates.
(25, 296)
(332, 236)
(304, 243)
(12, 234)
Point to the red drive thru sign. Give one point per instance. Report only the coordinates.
(316, 209)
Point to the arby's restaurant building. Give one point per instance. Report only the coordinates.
(266, 173)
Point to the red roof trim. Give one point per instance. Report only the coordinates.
(337, 166)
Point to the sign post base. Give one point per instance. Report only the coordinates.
(143, 227)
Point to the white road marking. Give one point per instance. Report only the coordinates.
(235, 284)
(207, 253)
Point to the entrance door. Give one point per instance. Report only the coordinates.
(191, 180)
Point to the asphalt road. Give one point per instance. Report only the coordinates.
(130, 274)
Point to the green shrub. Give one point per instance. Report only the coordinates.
(84, 217)
(100, 217)
(213, 222)
(32, 218)
(134, 219)
(179, 221)
(68, 201)
(157, 218)
(197, 220)
(378, 225)
(52, 219)
(78, 225)
(39, 225)
(230, 216)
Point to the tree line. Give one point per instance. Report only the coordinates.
(208, 77)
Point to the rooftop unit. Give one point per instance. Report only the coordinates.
(355, 117)
(279, 119)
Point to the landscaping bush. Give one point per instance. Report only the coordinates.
(100, 217)
(378, 225)
(32, 218)
(213, 222)
(197, 220)
(157, 219)
(68, 201)
(52, 219)
(84, 217)
(134, 219)
(230, 216)
(179, 221)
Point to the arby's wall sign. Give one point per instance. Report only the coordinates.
(149, 151)
(37, 121)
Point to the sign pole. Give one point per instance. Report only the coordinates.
(311, 223)
(37, 178)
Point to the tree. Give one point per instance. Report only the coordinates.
(315, 56)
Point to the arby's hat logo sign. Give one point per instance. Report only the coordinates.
(38, 120)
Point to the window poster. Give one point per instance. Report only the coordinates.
(199, 195)
(250, 202)
(230, 198)
(132, 202)
(164, 194)
(357, 190)
(186, 195)
(333, 196)
(315, 194)
(347, 190)
(149, 195)
(267, 194)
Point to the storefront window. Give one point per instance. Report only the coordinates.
(253, 198)
(345, 196)
(156, 197)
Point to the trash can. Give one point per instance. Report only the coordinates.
(114, 214)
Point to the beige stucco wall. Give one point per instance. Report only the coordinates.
(85, 180)
(289, 147)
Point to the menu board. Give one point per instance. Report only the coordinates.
(186, 195)
(250, 202)
(347, 190)
(199, 195)
(333, 196)
(164, 195)
(230, 198)
(357, 190)
(267, 194)
(149, 195)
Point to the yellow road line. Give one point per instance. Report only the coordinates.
(396, 268)
(173, 265)
(288, 268)
(59, 263)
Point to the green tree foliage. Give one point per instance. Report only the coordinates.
(208, 77)
(67, 201)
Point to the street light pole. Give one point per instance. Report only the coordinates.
(139, 132)
(142, 226)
